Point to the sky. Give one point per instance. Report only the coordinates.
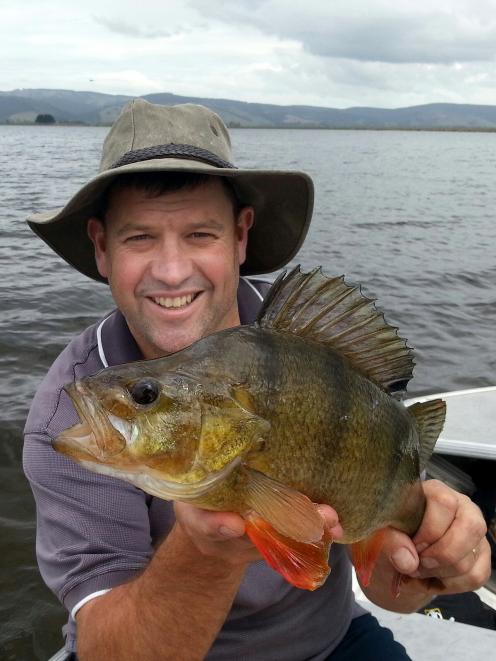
(332, 53)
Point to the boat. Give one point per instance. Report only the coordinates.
(470, 429)
(469, 434)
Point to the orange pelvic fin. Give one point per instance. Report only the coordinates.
(364, 555)
(303, 564)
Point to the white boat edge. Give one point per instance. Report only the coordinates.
(450, 393)
(485, 447)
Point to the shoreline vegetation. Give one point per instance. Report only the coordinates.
(305, 127)
(51, 107)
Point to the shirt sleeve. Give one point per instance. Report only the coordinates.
(93, 531)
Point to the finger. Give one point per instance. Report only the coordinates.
(400, 550)
(472, 564)
(473, 579)
(459, 567)
(211, 525)
(331, 519)
(452, 553)
(440, 511)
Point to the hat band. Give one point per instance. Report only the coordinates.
(172, 151)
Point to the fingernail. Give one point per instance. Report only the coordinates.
(404, 561)
(227, 532)
(429, 563)
(421, 547)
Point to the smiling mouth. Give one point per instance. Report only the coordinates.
(175, 302)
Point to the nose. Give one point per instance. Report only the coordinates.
(171, 264)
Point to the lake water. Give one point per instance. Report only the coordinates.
(411, 215)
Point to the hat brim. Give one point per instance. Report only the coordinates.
(282, 200)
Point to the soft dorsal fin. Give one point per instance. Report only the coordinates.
(331, 312)
(430, 418)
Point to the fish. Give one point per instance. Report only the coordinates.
(301, 407)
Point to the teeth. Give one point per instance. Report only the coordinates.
(177, 302)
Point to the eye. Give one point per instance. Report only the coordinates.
(138, 237)
(145, 391)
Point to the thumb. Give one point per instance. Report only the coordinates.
(331, 520)
(208, 524)
(400, 551)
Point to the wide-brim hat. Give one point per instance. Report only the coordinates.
(184, 138)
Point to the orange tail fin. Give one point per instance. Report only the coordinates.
(364, 555)
(304, 565)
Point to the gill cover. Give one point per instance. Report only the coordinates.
(229, 427)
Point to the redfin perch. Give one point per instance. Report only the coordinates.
(267, 419)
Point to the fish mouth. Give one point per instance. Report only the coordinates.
(96, 436)
(154, 483)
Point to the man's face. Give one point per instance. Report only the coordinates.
(172, 263)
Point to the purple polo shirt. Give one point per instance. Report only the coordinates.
(96, 532)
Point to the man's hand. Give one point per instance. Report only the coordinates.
(448, 554)
(222, 534)
(216, 534)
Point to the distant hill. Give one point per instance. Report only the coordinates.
(22, 107)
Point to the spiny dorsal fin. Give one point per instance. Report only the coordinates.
(331, 312)
(430, 418)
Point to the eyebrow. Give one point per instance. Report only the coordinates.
(129, 227)
(191, 226)
(209, 224)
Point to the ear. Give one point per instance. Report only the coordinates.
(244, 222)
(96, 232)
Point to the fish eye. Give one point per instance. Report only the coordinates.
(145, 391)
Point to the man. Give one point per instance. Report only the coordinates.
(171, 224)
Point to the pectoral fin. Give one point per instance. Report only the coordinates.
(304, 565)
(290, 512)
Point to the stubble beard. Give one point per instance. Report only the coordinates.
(156, 342)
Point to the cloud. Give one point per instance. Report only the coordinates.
(127, 29)
(444, 32)
(335, 53)
(130, 79)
